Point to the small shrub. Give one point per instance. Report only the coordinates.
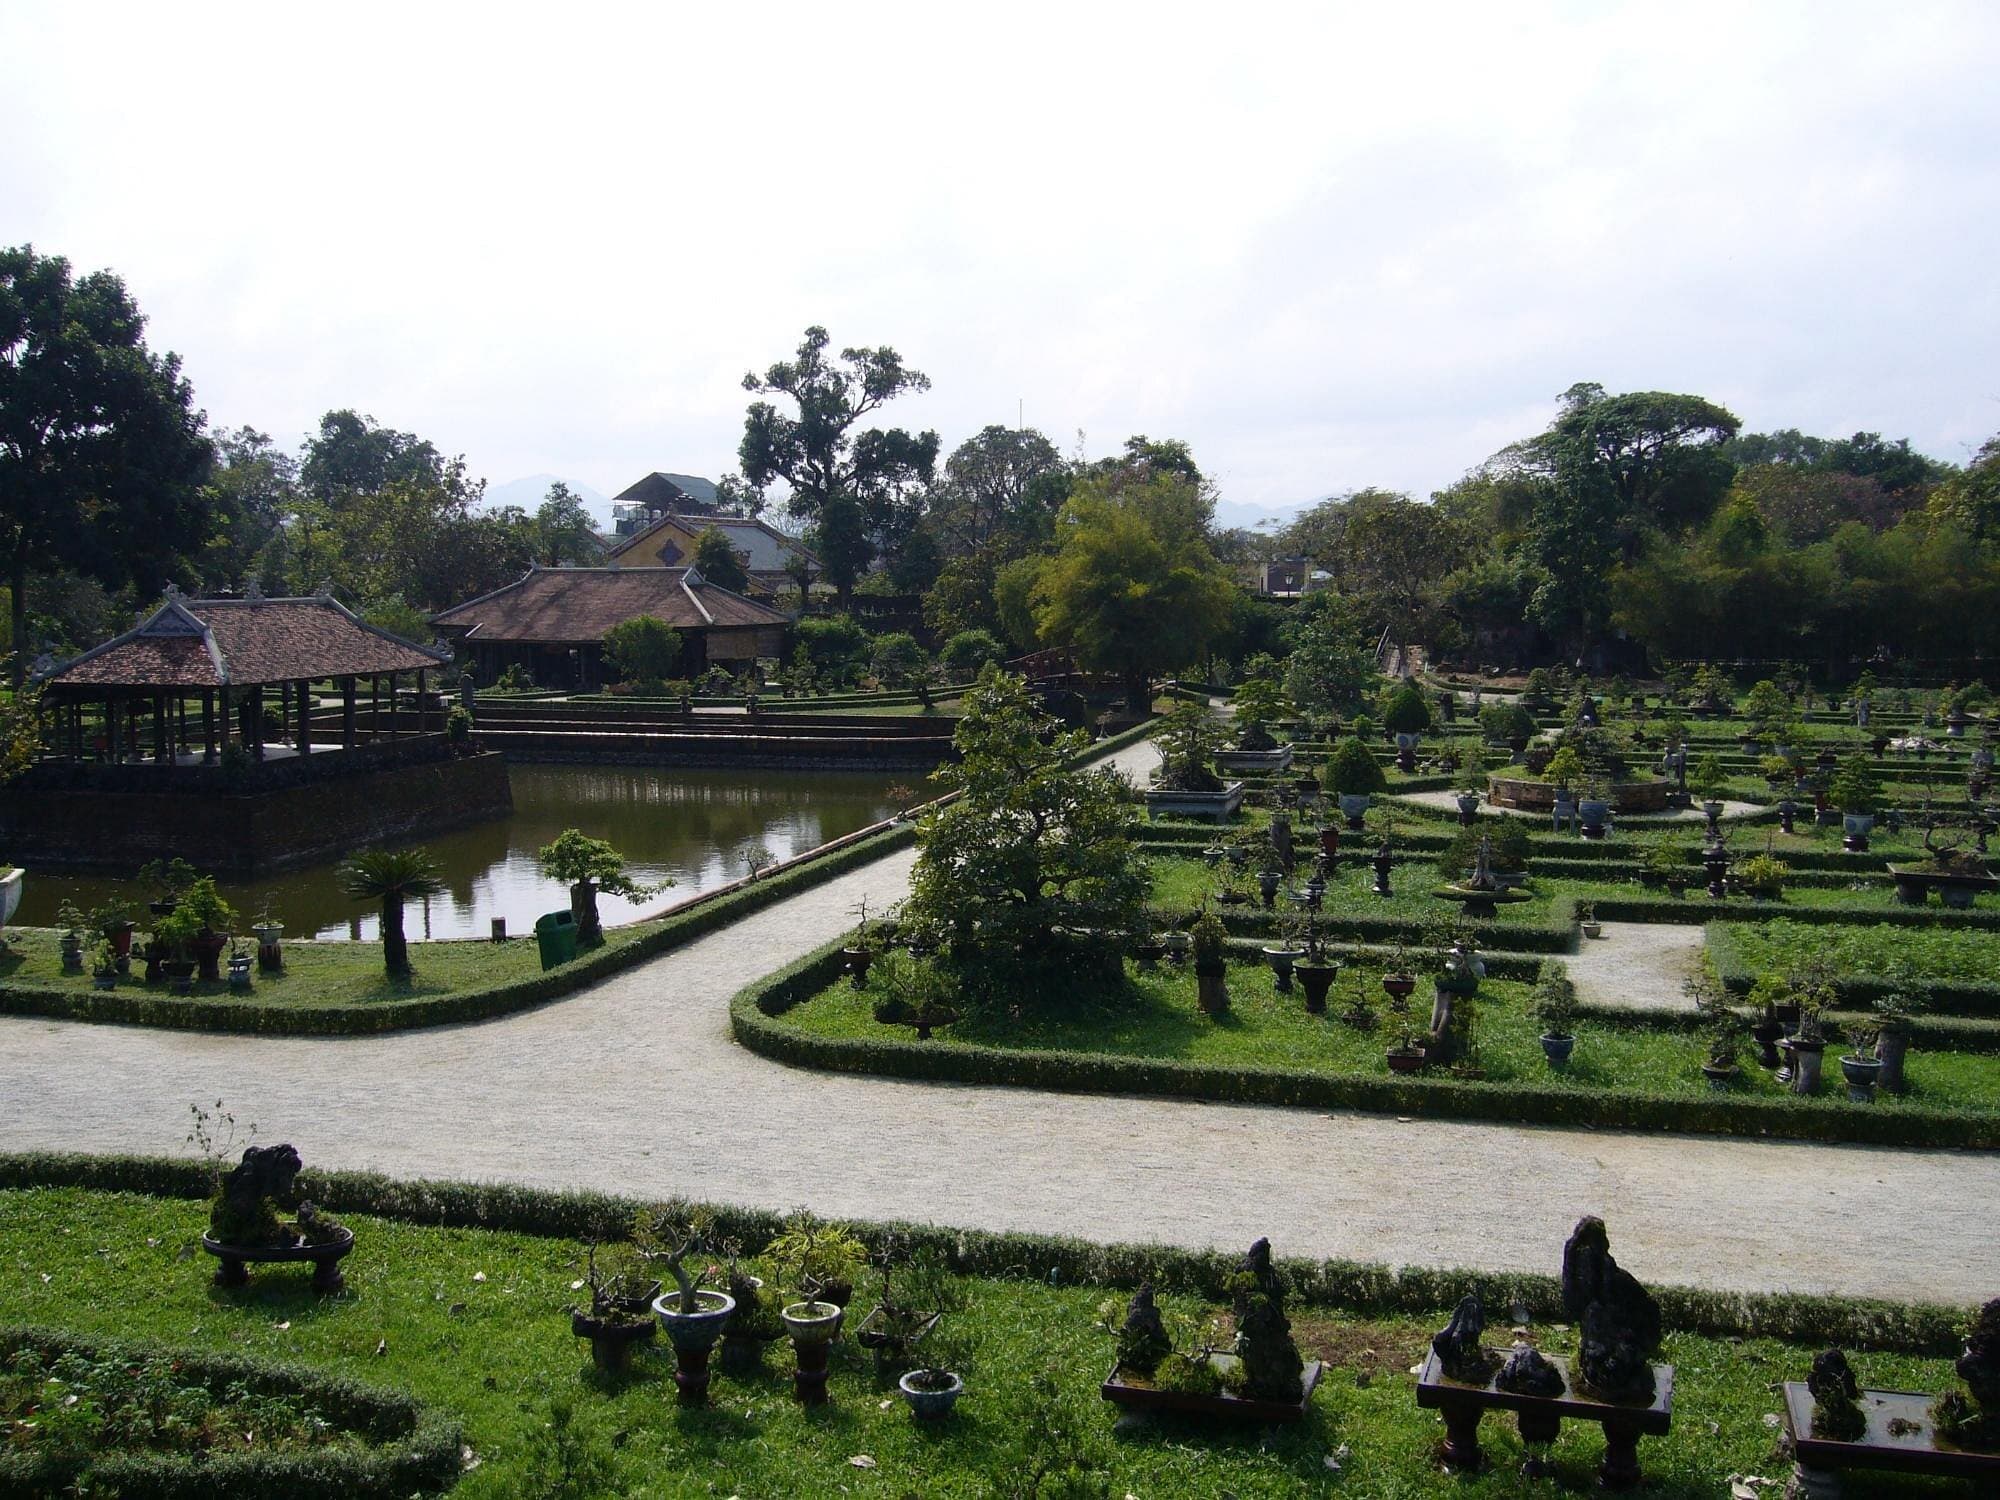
(1352, 770)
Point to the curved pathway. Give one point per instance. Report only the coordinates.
(634, 1086)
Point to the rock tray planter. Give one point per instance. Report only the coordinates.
(1258, 762)
(1524, 795)
(1133, 1394)
(1541, 1417)
(1912, 1448)
(1914, 886)
(324, 1259)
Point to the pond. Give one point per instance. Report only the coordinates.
(693, 827)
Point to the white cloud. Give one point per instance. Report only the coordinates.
(1328, 246)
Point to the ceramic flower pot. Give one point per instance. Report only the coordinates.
(930, 1403)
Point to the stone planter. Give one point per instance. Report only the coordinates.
(1468, 809)
(1856, 827)
(239, 971)
(1212, 988)
(270, 957)
(207, 949)
(1282, 961)
(693, 1335)
(231, 1260)
(1767, 1034)
(1556, 1047)
(1592, 929)
(1405, 1059)
(1862, 1074)
(1914, 886)
(1525, 795)
(1133, 1394)
(1316, 980)
(1218, 806)
(1720, 1079)
(1591, 816)
(930, 1403)
(857, 961)
(1807, 1060)
(813, 1326)
(180, 975)
(1260, 762)
(10, 895)
(1354, 807)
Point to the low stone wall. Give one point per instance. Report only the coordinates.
(247, 835)
(1540, 796)
(724, 751)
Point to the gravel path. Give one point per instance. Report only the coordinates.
(634, 1086)
(1638, 965)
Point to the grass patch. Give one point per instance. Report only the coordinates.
(1943, 953)
(497, 1354)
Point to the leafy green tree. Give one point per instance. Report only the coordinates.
(354, 454)
(1970, 499)
(1028, 879)
(251, 491)
(836, 645)
(1133, 587)
(1330, 667)
(1353, 771)
(564, 529)
(970, 650)
(897, 659)
(102, 454)
(644, 649)
(1003, 485)
(392, 877)
(588, 866)
(719, 562)
(848, 484)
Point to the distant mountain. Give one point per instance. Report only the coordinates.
(1233, 515)
(531, 491)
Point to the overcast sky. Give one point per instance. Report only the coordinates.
(1329, 247)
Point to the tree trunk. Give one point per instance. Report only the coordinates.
(18, 666)
(395, 947)
(583, 906)
(1139, 693)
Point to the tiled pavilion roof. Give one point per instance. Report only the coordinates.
(210, 643)
(576, 606)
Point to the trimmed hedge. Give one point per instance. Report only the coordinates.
(1362, 1287)
(1954, 997)
(753, 1022)
(415, 1448)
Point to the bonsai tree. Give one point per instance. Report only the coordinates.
(1188, 738)
(588, 866)
(822, 1259)
(1504, 723)
(391, 877)
(1026, 882)
(1507, 848)
(1565, 768)
(1352, 770)
(1708, 779)
(1855, 789)
(1259, 701)
(1555, 1001)
(1406, 711)
(169, 877)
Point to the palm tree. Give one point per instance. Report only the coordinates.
(392, 876)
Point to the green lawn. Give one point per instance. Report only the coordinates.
(1936, 952)
(1157, 1017)
(476, 1322)
(334, 973)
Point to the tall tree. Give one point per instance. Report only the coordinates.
(102, 454)
(849, 483)
(719, 562)
(1000, 482)
(353, 453)
(1133, 587)
(565, 531)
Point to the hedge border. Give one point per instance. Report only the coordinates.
(1361, 1287)
(1957, 997)
(754, 1010)
(413, 1446)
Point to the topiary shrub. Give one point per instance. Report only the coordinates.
(1406, 711)
(1352, 770)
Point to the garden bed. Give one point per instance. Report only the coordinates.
(497, 1352)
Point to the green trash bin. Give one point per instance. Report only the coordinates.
(555, 935)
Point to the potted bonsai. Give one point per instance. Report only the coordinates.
(72, 924)
(917, 1290)
(694, 1316)
(823, 1260)
(1507, 724)
(1586, 918)
(1354, 777)
(1861, 1067)
(1555, 1010)
(1719, 1066)
(620, 1312)
(104, 966)
(1807, 1046)
(1284, 954)
(1666, 864)
(113, 922)
(1258, 702)
(1316, 973)
(1211, 967)
(214, 919)
(1902, 996)
(1405, 1056)
(269, 929)
(1708, 781)
(1857, 792)
(755, 1322)
(239, 966)
(1185, 782)
(1565, 769)
(932, 1389)
(173, 948)
(858, 954)
(169, 879)
(1593, 810)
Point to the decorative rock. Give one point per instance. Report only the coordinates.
(1457, 1344)
(1620, 1321)
(1837, 1411)
(1528, 1373)
(1143, 1340)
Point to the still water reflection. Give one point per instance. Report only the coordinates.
(694, 827)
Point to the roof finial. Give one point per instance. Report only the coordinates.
(173, 592)
(254, 590)
(325, 589)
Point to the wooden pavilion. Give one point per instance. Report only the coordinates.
(195, 677)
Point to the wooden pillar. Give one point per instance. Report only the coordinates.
(163, 741)
(208, 726)
(305, 718)
(347, 734)
(254, 707)
(423, 706)
(374, 706)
